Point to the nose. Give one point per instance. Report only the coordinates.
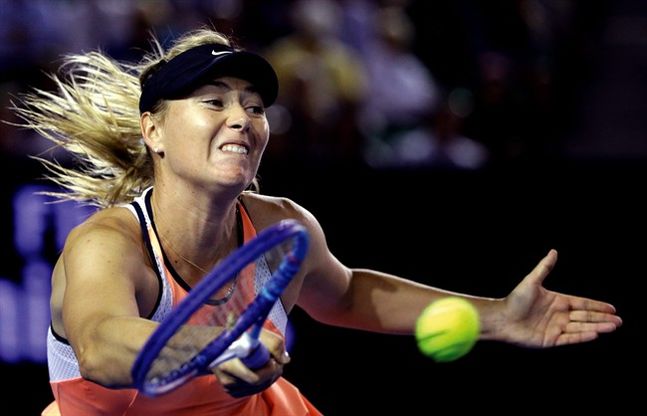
(238, 119)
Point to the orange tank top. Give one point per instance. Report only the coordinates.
(201, 396)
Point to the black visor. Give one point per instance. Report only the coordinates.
(193, 68)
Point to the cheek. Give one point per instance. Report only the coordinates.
(264, 133)
(175, 125)
(190, 127)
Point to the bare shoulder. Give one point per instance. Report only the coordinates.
(266, 210)
(116, 224)
(320, 271)
(107, 251)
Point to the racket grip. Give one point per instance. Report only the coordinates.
(257, 357)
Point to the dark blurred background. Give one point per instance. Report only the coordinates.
(450, 142)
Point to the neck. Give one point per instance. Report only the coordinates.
(196, 230)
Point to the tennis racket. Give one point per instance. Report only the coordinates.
(221, 318)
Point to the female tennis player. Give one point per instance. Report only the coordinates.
(169, 149)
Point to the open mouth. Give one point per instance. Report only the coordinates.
(234, 148)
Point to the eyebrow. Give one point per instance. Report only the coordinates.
(225, 86)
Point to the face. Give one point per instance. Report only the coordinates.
(216, 135)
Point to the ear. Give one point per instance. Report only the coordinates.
(151, 132)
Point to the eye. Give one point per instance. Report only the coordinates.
(214, 102)
(256, 109)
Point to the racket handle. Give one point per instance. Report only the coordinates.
(257, 357)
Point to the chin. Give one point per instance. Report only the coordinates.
(238, 182)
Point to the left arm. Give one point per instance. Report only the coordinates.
(530, 315)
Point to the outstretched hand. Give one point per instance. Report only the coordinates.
(537, 317)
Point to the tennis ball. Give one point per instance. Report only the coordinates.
(447, 329)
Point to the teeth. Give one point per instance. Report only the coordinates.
(234, 148)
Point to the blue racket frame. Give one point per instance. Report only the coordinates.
(253, 316)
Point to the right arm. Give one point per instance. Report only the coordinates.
(106, 272)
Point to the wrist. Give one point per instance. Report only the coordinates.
(492, 318)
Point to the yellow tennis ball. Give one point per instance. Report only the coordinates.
(447, 329)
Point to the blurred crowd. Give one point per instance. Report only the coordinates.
(460, 84)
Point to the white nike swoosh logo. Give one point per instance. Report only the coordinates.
(214, 53)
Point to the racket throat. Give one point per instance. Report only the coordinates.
(240, 348)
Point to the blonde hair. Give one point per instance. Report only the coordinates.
(94, 115)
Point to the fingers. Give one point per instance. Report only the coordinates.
(572, 332)
(275, 345)
(592, 321)
(239, 381)
(586, 325)
(544, 267)
(576, 338)
(594, 316)
(591, 305)
(234, 369)
(597, 327)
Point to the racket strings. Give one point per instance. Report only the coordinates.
(216, 316)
